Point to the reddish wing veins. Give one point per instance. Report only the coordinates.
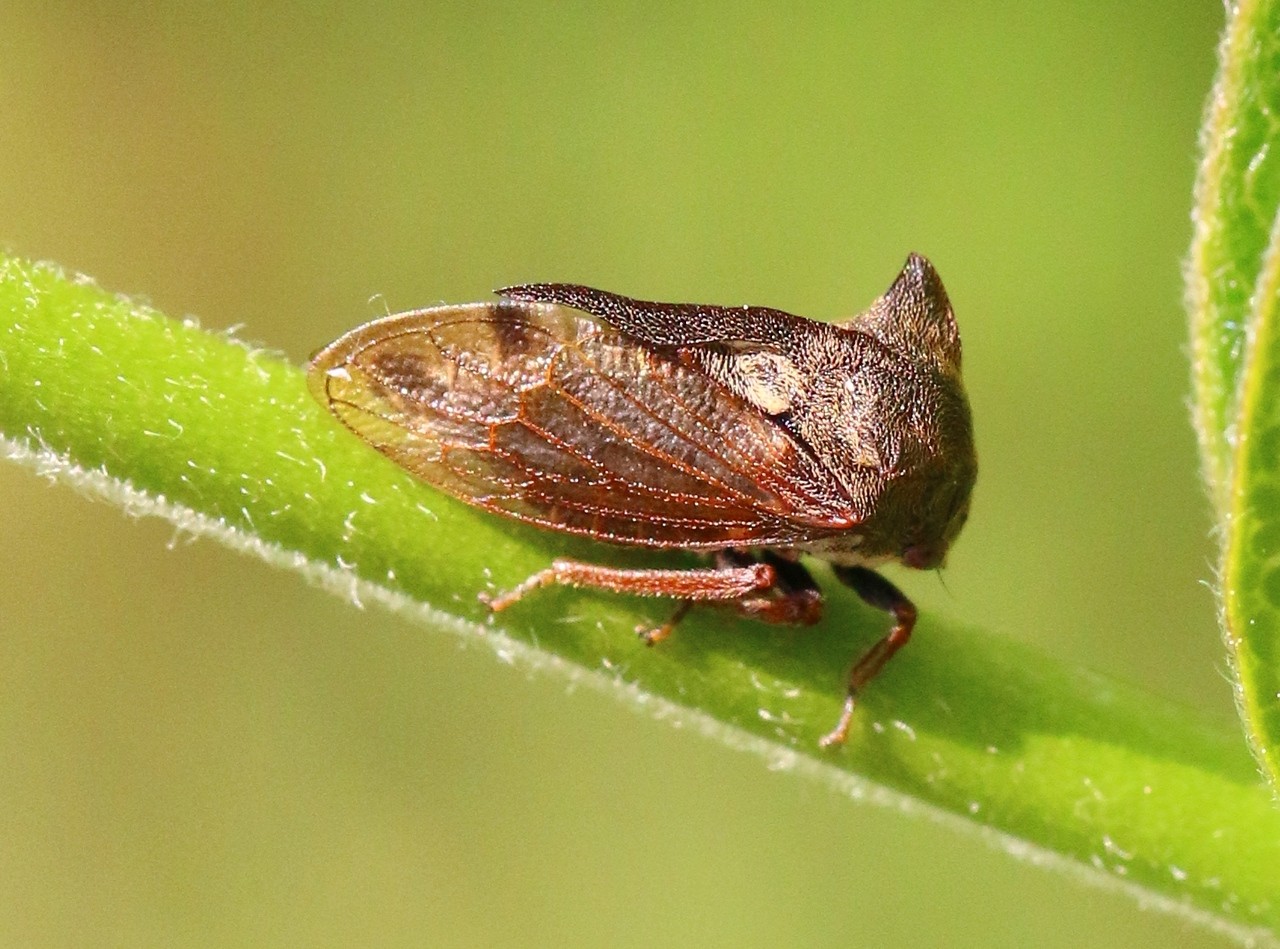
(549, 415)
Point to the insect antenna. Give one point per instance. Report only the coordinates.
(943, 580)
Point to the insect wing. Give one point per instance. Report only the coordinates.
(549, 415)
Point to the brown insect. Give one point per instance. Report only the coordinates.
(746, 433)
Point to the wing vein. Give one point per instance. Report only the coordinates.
(650, 450)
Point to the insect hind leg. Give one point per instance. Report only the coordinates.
(767, 587)
(794, 599)
(718, 583)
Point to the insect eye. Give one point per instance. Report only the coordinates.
(925, 556)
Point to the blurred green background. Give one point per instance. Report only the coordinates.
(199, 750)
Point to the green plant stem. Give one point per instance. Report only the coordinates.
(1111, 779)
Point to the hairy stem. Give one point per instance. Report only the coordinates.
(1060, 763)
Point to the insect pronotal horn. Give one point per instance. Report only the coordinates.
(914, 316)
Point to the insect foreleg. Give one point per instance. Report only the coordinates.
(876, 591)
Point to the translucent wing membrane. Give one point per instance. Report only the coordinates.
(549, 415)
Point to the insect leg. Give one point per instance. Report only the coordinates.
(652, 635)
(708, 583)
(876, 591)
(794, 599)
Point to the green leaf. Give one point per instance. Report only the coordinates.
(1233, 279)
(1061, 764)
(1236, 198)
